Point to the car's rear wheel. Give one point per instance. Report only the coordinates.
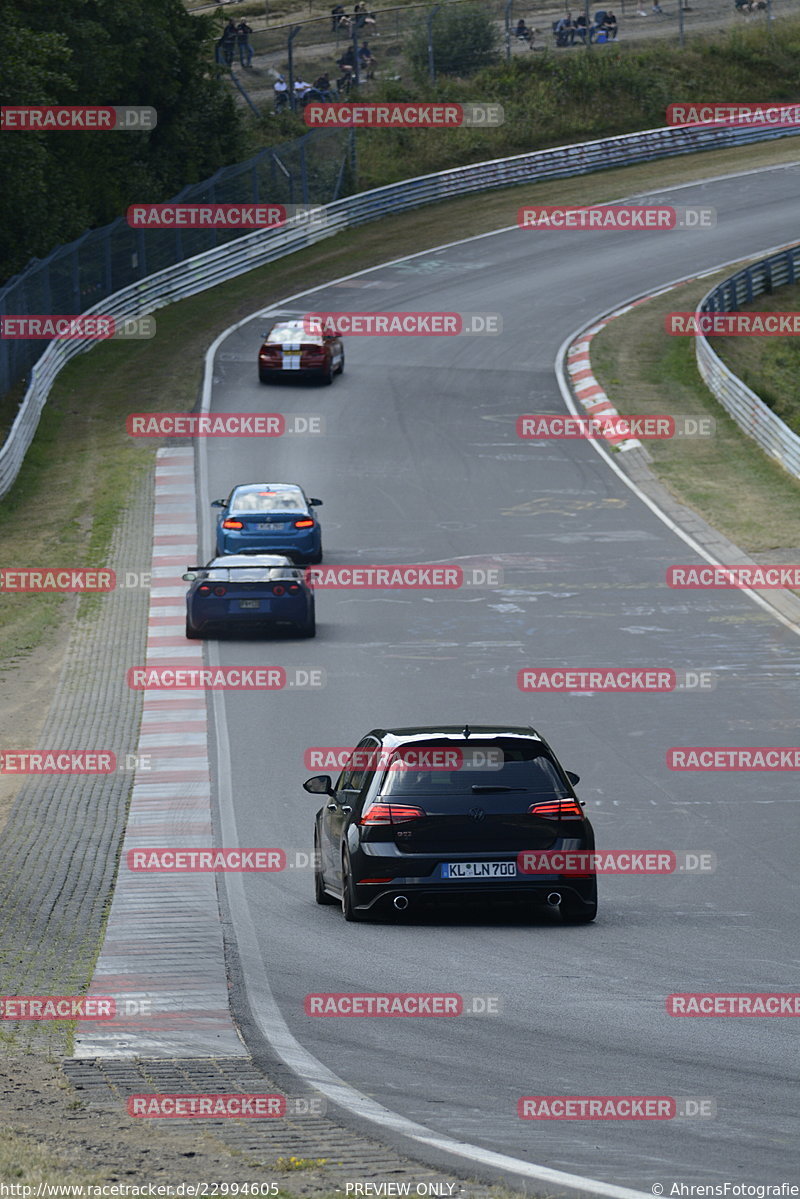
(320, 894)
(327, 374)
(349, 910)
(340, 367)
(309, 629)
(264, 376)
(315, 559)
(191, 632)
(574, 911)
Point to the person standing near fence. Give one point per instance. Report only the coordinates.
(243, 32)
(227, 43)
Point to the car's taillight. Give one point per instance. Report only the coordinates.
(220, 590)
(278, 589)
(232, 524)
(269, 351)
(294, 588)
(304, 524)
(391, 813)
(204, 589)
(557, 809)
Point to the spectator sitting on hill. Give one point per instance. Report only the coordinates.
(366, 59)
(523, 32)
(347, 65)
(581, 27)
(565, 31)
(337, 16)
(610, 24)
(323, 86)
(281, 89)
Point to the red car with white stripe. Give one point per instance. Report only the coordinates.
(299, 347)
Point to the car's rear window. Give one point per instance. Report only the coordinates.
(252, 574)
(525, 769)
(262, 499)
(294, 335)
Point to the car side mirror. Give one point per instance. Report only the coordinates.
(573, 777)
(218, 503)
(190, 576)
(315, 503)
(320, 784)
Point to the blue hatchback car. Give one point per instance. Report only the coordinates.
(273, 518)
(246, 591)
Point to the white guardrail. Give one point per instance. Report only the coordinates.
(748, 409)
(236, 257)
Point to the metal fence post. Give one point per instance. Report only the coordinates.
(290, 55)
(431, 63)
(354, 38)
(507, 18)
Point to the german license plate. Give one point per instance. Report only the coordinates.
(471, 870)
(275, 526)
(249, 603)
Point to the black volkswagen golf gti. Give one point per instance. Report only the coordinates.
(422, 815)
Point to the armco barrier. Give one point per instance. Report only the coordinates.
(747, 409)
(235, 258)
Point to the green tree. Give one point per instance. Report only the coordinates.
(465, 38)
(132, 52)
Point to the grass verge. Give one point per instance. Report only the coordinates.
(770, 366)
(725, 478)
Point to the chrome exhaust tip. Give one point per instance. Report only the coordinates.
(400, 902)
(554, 899)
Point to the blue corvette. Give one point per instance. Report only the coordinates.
(244, 591)
(274, 518)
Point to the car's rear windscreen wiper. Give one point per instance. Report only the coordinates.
(481, 789)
